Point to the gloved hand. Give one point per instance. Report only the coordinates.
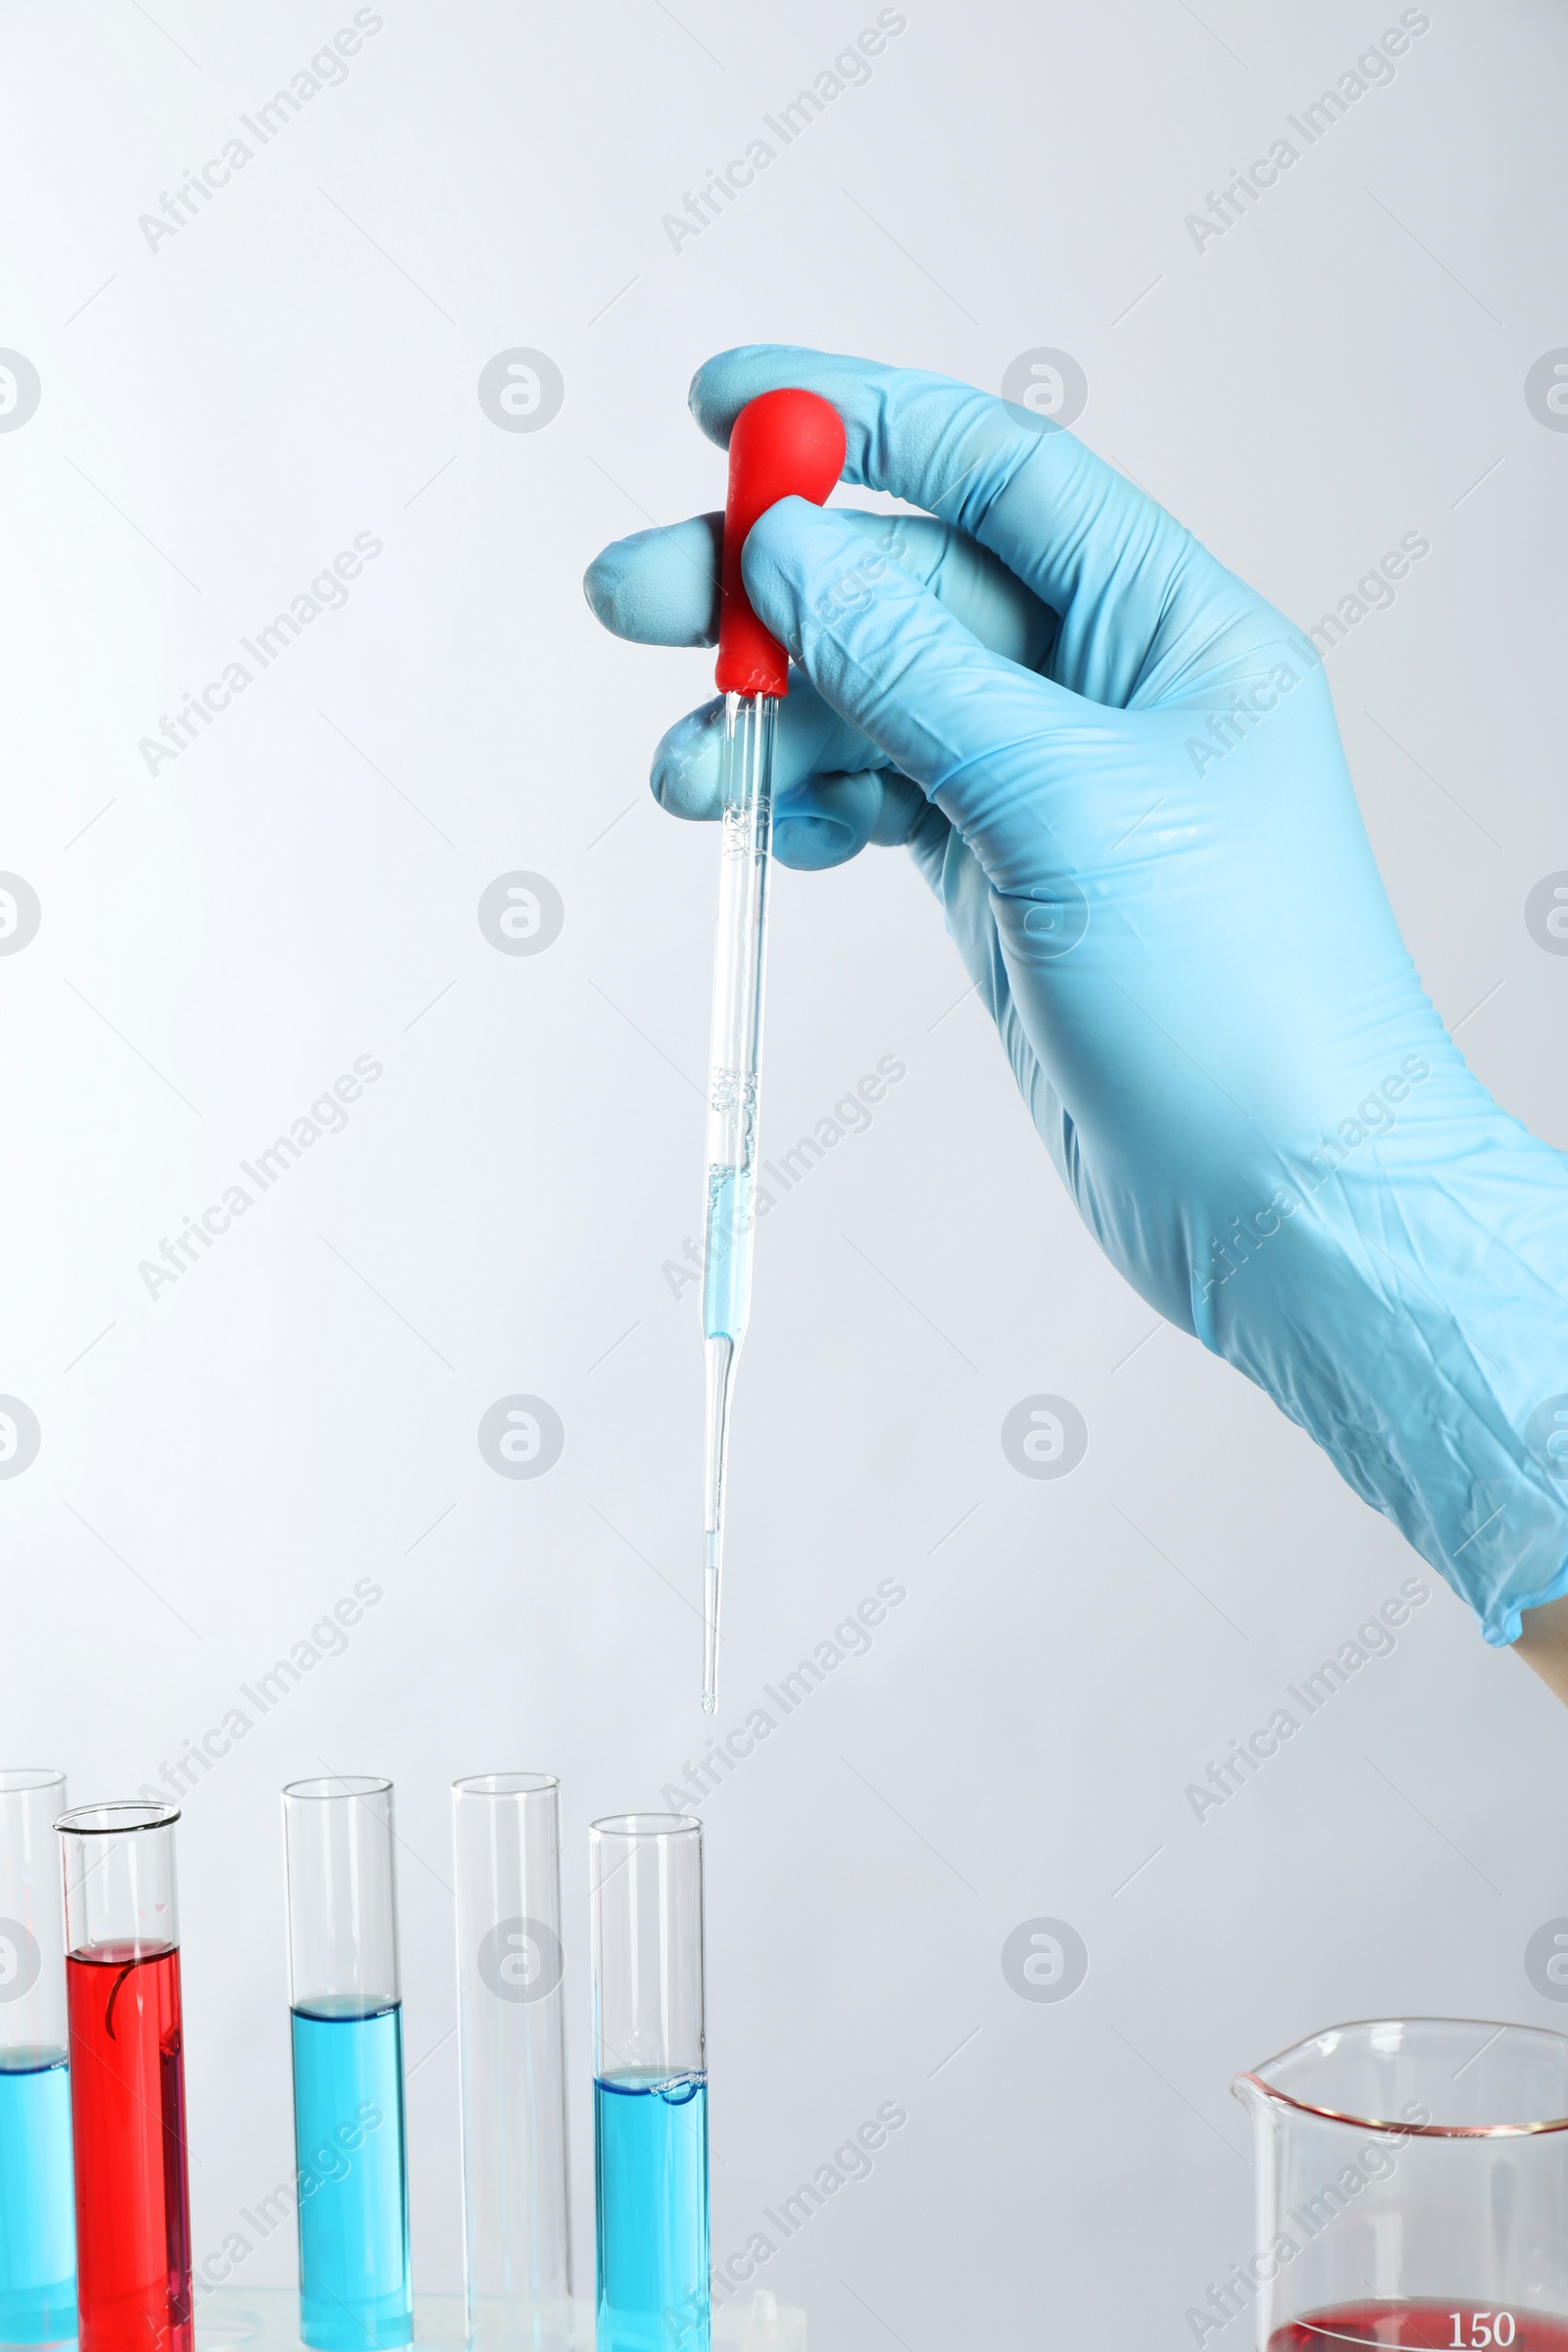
(1120, 770)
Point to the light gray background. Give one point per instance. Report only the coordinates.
(218, 1465)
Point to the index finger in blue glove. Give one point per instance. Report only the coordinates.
(1144, 610)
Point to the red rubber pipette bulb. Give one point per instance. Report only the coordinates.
(785, 444)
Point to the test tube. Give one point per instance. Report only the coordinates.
(37, 2232)
(127, 2080)
(356, 2288)
(506, 1837)
(650, 2084)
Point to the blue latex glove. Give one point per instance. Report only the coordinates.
(1120, 770)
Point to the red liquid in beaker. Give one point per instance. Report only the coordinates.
(128, 2122)
(1437, 2326)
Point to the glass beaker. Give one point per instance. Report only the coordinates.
(1411, 2190)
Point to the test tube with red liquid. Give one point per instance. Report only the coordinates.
(127, 2080)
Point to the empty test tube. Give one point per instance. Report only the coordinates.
(506, 1836)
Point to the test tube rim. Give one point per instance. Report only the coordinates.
(85, 1821)
(646, 1825)
(22, 1779)
(498, 1784)
(341, 1786)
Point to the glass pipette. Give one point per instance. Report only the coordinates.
(783, 444)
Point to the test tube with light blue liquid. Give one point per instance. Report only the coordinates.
(650, 2084)
(37, 2219)
(356, 2289)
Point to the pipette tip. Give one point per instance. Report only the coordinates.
(710, 1558)
(721, 1354)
